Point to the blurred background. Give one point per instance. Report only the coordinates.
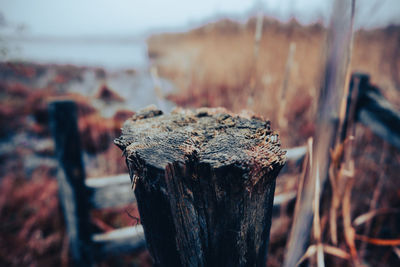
(116, 57)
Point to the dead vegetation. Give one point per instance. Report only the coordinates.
(32, 230)
(214, 66)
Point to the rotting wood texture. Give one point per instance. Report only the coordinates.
(204, 183)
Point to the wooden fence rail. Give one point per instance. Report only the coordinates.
(374, 111)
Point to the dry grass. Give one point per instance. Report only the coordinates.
(214, 66)
(32, 231)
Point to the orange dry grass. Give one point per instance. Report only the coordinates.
(214, 66)
(32, 228)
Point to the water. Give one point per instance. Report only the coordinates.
(107, 54)
(136, 88)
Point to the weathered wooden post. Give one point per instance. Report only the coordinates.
(71, 177)
(204, 182)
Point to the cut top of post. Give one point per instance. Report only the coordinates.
(207, 135)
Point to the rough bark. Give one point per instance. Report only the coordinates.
(204, 183)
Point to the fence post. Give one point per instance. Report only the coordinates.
(204, 182)
(71, 176)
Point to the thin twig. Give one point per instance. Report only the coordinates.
(334, 251)
(256, 49)
(311, 250)
(306, 166)
(317, 223)
(334, 205)
(366, 217)
(336, 182)
(282, 121)
(396, 251)
(378, 241)
(349, 232)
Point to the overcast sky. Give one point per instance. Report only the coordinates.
(132, 17)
